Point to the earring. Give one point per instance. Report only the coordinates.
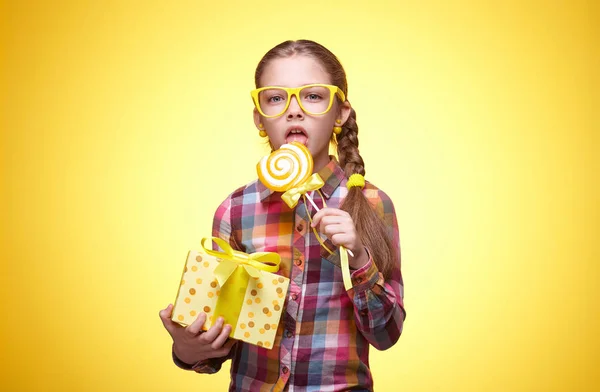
(337, 129)
(262, 132)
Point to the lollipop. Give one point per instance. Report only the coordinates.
(285, 168)
(289, 170)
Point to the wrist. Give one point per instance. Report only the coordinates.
(360, 259)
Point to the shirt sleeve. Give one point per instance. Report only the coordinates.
(378, 303)
(221, 228)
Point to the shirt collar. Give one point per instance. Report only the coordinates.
(332, 175)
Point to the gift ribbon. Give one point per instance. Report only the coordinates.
(233, 273)
(291, 197)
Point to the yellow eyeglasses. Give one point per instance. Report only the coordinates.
(314, 99)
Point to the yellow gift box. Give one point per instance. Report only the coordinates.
(242, 288)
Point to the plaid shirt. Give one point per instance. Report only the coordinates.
(323, 338)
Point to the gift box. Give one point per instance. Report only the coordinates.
(242, 288)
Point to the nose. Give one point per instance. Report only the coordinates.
(294, 110)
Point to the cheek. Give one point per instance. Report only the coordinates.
(274, 122)
(332, 114)
(336, 110)
(271, 124)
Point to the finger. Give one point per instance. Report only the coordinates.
(195, 327)
(230, 343)
(327, 212)
(319, 215)
(225, 349)
(349, 241)
(165, 317)
(333, 224)
(222, 338)
(343, 239)
(166, 312)
(334, 219)
(331, 229)
(325, 221)
(214, 331)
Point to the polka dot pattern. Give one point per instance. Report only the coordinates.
(261, 309)
(196, 294)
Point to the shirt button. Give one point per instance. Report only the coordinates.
(300, 227)
(364, 312)
(359, 279)
(285, 370)
(298, 262)
(288, 334)
(294, 296)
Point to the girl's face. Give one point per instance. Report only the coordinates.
(315, 130)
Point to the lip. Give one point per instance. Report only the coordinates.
(298, 127)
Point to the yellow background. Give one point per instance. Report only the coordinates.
(125, 124)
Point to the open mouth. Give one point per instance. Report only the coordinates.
(296, 134)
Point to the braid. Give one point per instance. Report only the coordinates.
(370, 227)
(347, 141)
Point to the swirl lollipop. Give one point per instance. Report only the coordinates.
(285, 168)
(289, 170)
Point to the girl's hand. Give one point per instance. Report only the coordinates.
(339, 227)
(191, 344)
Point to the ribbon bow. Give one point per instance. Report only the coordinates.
(232, 259)
(235, 269)
(292, 195)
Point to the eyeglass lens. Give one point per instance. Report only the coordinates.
(314, 100)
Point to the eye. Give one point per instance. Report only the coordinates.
(313, 97)
(276, 99)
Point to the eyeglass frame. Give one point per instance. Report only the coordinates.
(295, 91)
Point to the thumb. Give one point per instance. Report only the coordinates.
(317, 217)
(165, 313)
(165, 317)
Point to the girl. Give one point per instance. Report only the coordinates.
(324, 334)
